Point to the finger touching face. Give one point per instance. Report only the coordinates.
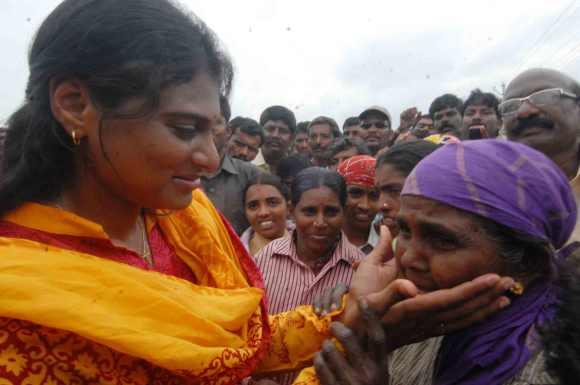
(440, 246)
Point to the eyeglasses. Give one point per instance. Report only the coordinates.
(379, 125)
(541, 98)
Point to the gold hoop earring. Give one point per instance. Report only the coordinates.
(76, 140)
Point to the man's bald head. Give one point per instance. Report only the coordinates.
(551, 124)
(541, 79)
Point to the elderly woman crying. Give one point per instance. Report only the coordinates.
(468, 209)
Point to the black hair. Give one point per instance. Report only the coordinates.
(445, 101)
(524, 256)
(316, 177)
(291, 165)
(302, 127)
(236, 122)
(265, 178)
(329, 121)
(349, 122)
(2, 140)
(250, 127)
(279, 113)
(225, 108)
(120, 50)
(343, 144)
(483, 98)
(404, 156)
(561, 337)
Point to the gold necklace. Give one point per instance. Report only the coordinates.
(145, 252)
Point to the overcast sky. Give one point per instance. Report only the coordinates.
(335, 58)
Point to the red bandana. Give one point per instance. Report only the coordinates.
(359, 170)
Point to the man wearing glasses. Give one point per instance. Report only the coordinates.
(541, 109)
(376, 128)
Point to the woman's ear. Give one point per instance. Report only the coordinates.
(71, 105)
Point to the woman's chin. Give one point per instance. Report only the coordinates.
(271, 234)
(175, 203)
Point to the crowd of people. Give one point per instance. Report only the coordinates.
(147, 237)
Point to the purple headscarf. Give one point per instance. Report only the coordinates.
(518, 187)
(506, 182)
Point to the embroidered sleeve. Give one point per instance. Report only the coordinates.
(307, 377)
(34, 355)
(296, 336)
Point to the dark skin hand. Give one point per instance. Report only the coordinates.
(330, 300)
(407, 314)
(366, 355)
(440, 312)
(409, 118)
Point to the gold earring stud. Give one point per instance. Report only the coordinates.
(75, 138)
(517, 288)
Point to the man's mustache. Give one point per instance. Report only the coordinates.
(269, 141)
(533, 121)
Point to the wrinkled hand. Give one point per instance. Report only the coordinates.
(421, 316)
(373, 275)
(330, 299)
(366, 357)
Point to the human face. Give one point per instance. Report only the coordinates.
(340, 157)
(440, 247)
(320, 138)
(221, 135)
(551, 129)
(389, 182)
(156, 161)
(447, 121)
(480, 117)
(352, 132)
(277, 139)
(376, 131)
(423, 128)
(266, 210)
(301, 144)
(243, 146)
(319, 218)
(425, 123)
(362, 204)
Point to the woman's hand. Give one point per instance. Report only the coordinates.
(330, 299)
(366, 357)
(374, 273)
(421, 316)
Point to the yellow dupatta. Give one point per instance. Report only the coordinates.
(215, 331)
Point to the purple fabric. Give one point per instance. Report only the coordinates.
(518, 187)
(494, 351)
(507, 182)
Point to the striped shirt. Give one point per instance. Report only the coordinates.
(290, 282)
